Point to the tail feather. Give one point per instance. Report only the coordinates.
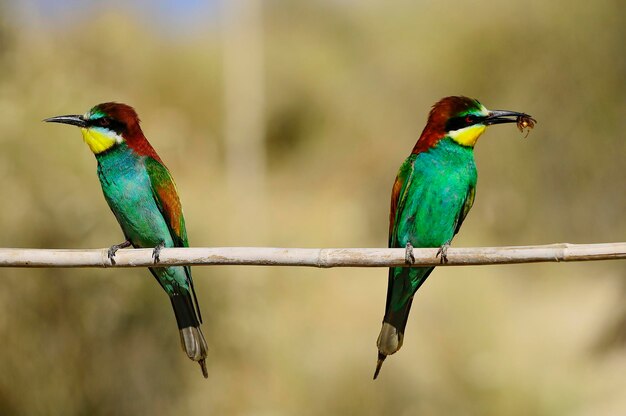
(193, 292)
(193, 343)
(191, 337)
(400, 287)
(379, 364)
(391, 334)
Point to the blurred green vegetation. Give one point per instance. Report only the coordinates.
(348, 86)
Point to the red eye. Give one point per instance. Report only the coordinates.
(104, 122)
(470, 119)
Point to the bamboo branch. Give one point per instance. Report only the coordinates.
(312, 257)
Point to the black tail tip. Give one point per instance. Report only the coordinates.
(202, 363)
(379, 364)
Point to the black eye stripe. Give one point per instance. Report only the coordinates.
(456, 123)
(108, 123)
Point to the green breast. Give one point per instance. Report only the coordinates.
(436, 192)
(433, 199)
(128, 191)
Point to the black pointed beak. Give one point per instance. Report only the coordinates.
(74, 120)
(502, 116)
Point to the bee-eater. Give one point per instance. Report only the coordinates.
(432, 194)
(141, 193)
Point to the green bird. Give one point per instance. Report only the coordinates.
(432, 195)
(142, 195)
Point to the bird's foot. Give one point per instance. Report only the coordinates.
(443, 252)
(113, 249)
(157, 252)
(409, 258)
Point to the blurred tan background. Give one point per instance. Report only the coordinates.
(284, 124)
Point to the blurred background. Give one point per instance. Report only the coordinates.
(284, 124)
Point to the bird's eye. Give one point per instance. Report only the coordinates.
(470, 119)
(104, 122)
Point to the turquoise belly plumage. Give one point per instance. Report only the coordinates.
(128, 191)
(439, 187)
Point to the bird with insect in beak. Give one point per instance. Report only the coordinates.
(432, 195)
(142, 195)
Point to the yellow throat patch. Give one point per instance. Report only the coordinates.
(99, 141)
(467, 136)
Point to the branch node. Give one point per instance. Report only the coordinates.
(105, 261)
(322, 258)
